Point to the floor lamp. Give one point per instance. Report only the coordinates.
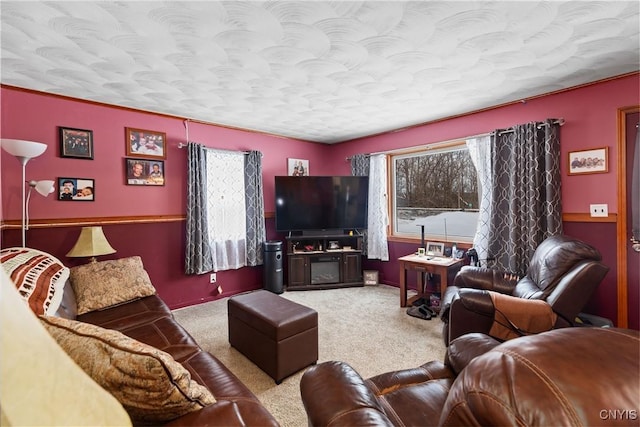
(25, 151)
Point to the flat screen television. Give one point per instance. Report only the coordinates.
(321, 203)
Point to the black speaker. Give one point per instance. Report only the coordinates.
(273, 271)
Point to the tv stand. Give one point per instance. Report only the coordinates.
(325, 261)
(321, 233)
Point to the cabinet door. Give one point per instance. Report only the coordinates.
(351, 269)
(298, 270)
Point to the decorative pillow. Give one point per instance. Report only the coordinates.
(104, 284)
(150, 385)
(38, 276)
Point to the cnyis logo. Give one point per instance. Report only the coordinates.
(619, 414)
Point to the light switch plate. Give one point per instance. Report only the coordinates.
(599, 210)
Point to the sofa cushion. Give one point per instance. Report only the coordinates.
(38, 276)
(103, 284)
(121, 316)
(149, 383)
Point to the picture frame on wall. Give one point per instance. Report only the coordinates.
(76, 143)
(595, 160)
(297, 167)
(71, 189)
(144, 172)
(145, 143)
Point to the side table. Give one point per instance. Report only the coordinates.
(422, 264)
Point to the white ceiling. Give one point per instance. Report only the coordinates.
(324, 71)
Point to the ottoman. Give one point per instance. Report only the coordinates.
(278, 335)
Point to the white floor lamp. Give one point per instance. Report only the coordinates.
(25, 151)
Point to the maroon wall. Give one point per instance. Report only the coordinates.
(590, 113)
(161, 246)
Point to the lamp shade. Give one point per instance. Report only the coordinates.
(23, 149)
(91, 243)
(43, 187)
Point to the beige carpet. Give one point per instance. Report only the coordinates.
(364, 326)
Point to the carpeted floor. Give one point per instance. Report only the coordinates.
(363, 326)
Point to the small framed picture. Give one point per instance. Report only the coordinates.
(145, 143)
(370, 277)
(297, 167)
(76, 189)
(435, 249)
(595, 160)
(76, 143)
(144, 172)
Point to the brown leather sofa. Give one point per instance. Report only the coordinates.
(570, 376)
(117, 295)
(150, 321)
(562, 275)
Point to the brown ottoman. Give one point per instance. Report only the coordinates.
(278, 335)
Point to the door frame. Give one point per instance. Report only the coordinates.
(621, 229)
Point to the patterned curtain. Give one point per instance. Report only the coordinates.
(360, 165)
(480, 152)
(254, 200)
(526, 199)
(198, 258)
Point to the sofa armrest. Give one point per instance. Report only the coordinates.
(227, 413)
(486, 278)
(334, 394)
(464, 349)
(471, 310)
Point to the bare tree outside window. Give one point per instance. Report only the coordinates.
(437, 189)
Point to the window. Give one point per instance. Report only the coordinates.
(437, 188)
(226, 209)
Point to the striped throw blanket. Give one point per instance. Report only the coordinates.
(38, 276)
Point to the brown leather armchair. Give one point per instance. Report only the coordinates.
(563, 274)
(570, 376)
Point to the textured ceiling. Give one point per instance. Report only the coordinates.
(324, 71)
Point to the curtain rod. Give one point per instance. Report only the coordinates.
(181, 145)
(186, 128)
(559, 121)
(431, 146)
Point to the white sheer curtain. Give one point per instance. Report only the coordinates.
(480, 152)
(377, 247)
(226, 209)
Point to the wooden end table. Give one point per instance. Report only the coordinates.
(423, 264)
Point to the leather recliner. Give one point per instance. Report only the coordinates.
(570, 376)
(562, 275)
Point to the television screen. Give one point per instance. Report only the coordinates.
(332, 203)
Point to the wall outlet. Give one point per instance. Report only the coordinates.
(212, 278)
(599, 210)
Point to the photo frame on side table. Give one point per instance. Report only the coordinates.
(76, 143)
(145, 143)
(595, 160)
(76, 189)
(435, 248)
(144, 172)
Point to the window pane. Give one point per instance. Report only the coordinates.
(225, 196)
(437, 189)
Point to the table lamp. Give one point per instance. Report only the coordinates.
(91, 243)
